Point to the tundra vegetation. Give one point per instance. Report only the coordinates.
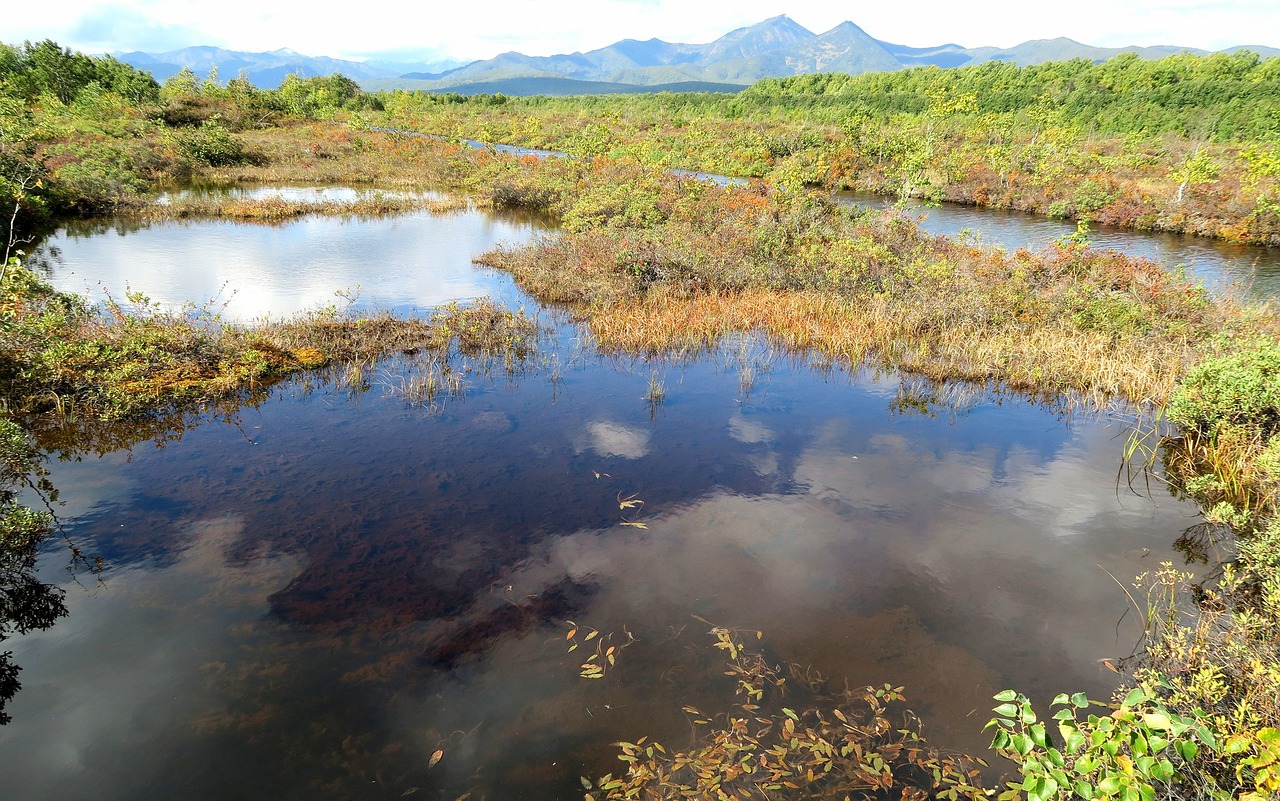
(655, 262)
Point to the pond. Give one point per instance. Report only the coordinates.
(313, 598)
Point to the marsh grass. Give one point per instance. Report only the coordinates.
(1062, 320)
(63, 358)
(280, 209)
(655, 263)
(426, 382)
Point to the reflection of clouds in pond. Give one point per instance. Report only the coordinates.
(802, 570)
(747, 431)
(108, 692)
(414, 260)
(892, 563)
(85, 484)
(613, 439)
(1006, 541)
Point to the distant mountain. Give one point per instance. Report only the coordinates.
(555, 87)
(776, 47)
(266, 70)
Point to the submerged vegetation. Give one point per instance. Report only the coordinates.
(790, 735)
(655, 262)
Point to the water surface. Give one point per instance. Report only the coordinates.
(310, 599)
(1247, 270)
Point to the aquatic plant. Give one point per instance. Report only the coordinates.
(789, 734)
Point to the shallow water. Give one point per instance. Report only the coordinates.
(1247, 270)
(249, 271)
(309, 600)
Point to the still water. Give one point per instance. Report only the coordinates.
(1248, 271)
(311, 599)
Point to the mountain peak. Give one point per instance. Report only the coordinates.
(775, 33)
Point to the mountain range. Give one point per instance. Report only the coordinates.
(776, 47)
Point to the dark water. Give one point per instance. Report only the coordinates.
(309, 600)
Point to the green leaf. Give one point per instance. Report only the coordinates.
(1006, 710)
(1157, 720)
(1162, 770)
(1055, 757)
(1238, 744)
(1135, 696)
(1028, 714)
(1110, 785)
(1187, 749)
(1080, 700)
(1038, 735)
(1006, 695)
(1060, 698)
(1034, 787)
(1084, 790)
(1050, 787)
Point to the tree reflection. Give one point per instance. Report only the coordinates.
(26, 603)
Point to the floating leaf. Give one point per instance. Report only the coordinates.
(634, 524)
(436, 757)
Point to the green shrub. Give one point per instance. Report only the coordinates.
(211, 144)
(1238, 390)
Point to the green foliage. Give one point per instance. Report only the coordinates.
(319, 98)
(1240, 390)
(211, 144)
(1137, 752)
(46, 68)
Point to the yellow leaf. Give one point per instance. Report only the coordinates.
(436, 757)
(634, 524)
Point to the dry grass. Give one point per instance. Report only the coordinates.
(279, 209)
(1067, 320)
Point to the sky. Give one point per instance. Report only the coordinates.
(417, 29)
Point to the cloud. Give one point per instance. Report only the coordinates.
(614, 439)
(115, 28)
(465, 32)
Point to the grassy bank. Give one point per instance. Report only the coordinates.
(133, 358)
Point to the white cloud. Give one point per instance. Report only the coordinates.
(614, 439)
(542, 28)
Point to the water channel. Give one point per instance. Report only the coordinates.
(312, 598)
